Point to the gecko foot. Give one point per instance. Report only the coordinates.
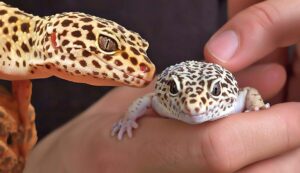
(266, 106)
(122, 127)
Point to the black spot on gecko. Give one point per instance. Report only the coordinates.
(193, 101)
(8, 46)
(107, 57)
(203, 100)
(133, 60)
(86, 53)
(30, 42)
(87, 27)
(86, 19)
(75, 25)
(130, 70)
(91, 36)
(24, 47)
(12, 19)
(76, 33)
(15, 38)
(25, 27)
(65, 42)
(66, 23)
(5, 30)
(99, 25)
(18, 52)
(96, 64)
(125, 55)
(109, 67)
(2, 12)
(116, 76)
(72, 57)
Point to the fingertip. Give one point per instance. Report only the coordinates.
(252, 34)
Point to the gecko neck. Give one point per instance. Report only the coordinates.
(20, 43)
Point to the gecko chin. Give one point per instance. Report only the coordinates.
(195, 118)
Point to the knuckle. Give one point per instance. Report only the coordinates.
(216, 151)
(265, 14)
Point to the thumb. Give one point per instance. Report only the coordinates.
(254, 33)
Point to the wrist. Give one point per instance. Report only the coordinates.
(46, 156)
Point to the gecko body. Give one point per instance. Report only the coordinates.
(74, 46)
(193, 92)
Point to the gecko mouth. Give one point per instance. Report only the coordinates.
(145, 79)
(196, 118)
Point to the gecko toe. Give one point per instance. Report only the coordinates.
(121, 132)
(123, 127)
(129, 132)
(114, 130)
(267, 105)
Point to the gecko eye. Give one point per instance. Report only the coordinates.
(173, 87)
(107, 44)
(216, 89)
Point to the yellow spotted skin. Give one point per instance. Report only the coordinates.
(74, 46)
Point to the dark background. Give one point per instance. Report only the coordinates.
(176, 30)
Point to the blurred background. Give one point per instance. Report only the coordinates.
(176, 30)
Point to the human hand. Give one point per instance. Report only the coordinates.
(164, 145)
(161, 145)
(260, 33)
(264, 30)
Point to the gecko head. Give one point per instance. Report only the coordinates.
(97, 51)
(195, 92)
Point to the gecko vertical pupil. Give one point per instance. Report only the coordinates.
(107, 44)
(216, 89)
(173, 87)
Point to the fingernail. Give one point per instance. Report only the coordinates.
(224, 45)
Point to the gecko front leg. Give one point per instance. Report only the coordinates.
(253, 100)
(128, 122)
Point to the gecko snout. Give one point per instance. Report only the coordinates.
(193, 109)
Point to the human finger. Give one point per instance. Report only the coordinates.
(287, 162)
(268, 79)
(237, 141)
(255, 32)
(235, 6)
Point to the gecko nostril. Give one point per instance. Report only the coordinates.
(144, 68)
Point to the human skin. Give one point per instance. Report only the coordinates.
(264, 141)
(264, 31)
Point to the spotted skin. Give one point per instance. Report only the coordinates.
(74, 46)
(193, 92)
